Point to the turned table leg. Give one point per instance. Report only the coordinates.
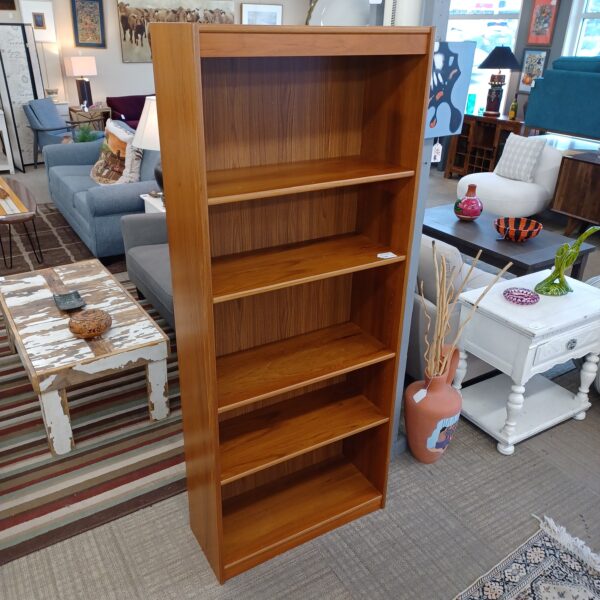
(158, 390)
(514, 406)
(55, 412)
(461, 370)
(588, 374)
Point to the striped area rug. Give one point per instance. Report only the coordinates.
(122, 462)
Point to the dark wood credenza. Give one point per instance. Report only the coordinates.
(479, 145)
(576, 193)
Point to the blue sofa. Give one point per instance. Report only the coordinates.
(565, 99)
(94, 211)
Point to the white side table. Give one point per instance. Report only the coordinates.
(152, 204)
(8, 165)
(522, 342)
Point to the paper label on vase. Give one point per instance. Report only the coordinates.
(420, 395)
(386, 255)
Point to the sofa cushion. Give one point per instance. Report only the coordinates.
(126, 108)
(67, 180)
(46, 113)
(586, 64)
(520, 157)
(151, 265)
(149, 161)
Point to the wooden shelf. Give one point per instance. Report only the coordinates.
(275, 517)
(274, 434)
(272, 369)
(261, 271)
(251, 183)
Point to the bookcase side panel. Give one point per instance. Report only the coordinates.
(178, 89)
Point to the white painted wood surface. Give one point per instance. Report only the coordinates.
(152, 204)
(8, 164)
(55, 359)
(522, 342)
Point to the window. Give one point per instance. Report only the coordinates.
(588, 40)
(490, 23)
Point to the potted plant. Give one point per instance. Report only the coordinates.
(432, 406)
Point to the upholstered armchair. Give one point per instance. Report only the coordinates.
(512, 198)
(415, 366)
(48, 126)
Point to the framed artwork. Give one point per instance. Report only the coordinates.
(262, 14)
(8, 5)
(41, 16)
(534, 61)
(88, 23)
(543, 20)
(136, 16)
(448, 88)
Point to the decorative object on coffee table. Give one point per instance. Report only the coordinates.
(432, 407)
(69, 301)
(521, 296)
(90, 324)
(18, 206)
(55, 360)
(517, 229)
(556, 283)
(522, 344)
(537, 254)
(469, 207)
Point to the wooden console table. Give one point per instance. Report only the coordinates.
(576, 193)
(479, 145)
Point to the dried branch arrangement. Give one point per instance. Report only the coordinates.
(436, 357)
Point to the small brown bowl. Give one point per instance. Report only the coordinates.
(89, 324)
(517, 229)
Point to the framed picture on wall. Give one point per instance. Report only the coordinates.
(41, 16)
(88, 23)
(534, 62)
(262, 14)
(8, 5)
(543, 20)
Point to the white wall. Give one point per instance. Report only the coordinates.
(115, 78)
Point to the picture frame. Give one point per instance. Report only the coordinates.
(542, 22)
(534, 63)
(88, 23)
(262, 14)
(40, 14)
(8, 4)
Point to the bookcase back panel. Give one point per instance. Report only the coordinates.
(265, 318)
(245, 226)
(260, 111)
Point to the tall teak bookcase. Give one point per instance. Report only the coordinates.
(291, 159)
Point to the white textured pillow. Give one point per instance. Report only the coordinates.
(520, 157)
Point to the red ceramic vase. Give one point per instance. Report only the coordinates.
(431, 413)
(469, 207)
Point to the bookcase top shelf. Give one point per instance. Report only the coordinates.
(265, 181)
(216, 41)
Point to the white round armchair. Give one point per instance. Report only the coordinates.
(512, 198)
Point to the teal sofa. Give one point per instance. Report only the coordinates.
(94, 211)
(565, 99)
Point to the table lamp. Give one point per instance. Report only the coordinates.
(146, 134)
(501, 57)
(82, 67)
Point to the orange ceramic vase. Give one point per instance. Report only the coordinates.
(431, 413)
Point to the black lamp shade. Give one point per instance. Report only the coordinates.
(501, 57)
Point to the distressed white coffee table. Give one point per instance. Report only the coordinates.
(55, 359)
(522, 342)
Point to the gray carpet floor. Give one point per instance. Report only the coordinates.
(443, 527)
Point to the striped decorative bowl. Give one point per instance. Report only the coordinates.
(517, 229)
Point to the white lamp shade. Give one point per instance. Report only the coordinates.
(80, 66)
(146, 134)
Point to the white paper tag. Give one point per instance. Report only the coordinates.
(420, 395)
(436, 153)
(387, 255)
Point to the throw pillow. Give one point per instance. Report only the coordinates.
(520, 157)
(119, 161)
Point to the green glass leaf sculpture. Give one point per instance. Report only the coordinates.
(556, 283)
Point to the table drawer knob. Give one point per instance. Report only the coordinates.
(571, 344)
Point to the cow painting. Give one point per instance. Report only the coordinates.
(135, 17)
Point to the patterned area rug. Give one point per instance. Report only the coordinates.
(122, 461)
(551, 565)
(60, 244)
